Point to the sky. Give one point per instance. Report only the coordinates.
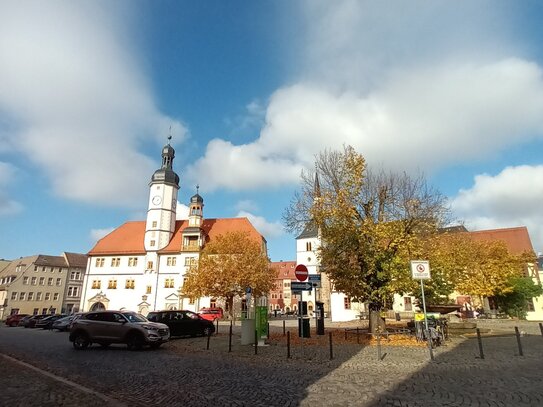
(251, 92)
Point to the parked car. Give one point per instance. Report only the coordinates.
(64, 324)
(13, 320)
(211, 314)
(24, 320)
(107, 327)
(47, 322)
(183, 323)
(31, 323)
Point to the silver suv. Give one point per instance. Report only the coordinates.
(107, 327)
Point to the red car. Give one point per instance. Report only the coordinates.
(211, 314)
(13, 320)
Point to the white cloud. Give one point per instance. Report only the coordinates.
(76, 102)
(247, 205)
(8, 206)
(511, 198)
(182, 211)
(97, 234)
(265, 228)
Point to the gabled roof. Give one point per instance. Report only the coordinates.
(517, 239)
(284, 269)
(129, 237)
(310, 230)
(50, 261)
(76, 259)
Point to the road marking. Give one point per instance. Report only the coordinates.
(65, 381)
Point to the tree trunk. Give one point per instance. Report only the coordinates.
(376, 321)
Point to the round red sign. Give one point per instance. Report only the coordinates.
(301, 272)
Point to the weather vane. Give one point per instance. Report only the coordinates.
(170, 134)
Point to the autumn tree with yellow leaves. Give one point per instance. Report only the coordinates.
(228, 265)
(371, 224)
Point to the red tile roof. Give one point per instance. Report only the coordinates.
(129, 237)
(282, 267)
(517, 239)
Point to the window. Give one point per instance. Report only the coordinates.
(73, 291)
(530, 305)
(47, 296)
(213, 303)
(35, 312)
(149, 289)
(31, 296)
(34, 280)
(171, 261)
(42, 280)
(96, 284)
(100, 262)
(59, 281)
(52, 311)
(38, 296)
(50, 281)
(13, 295)
(153, 243)
(25, 280)
(112, 284)
(286, 284)
(308, 246)
(168, 283)
(75, 275)
(43, 268)
(347, 303)
(130, 284)
(44, 311)
(115, 262)
(189, 261)
(55, 296)
(149, 265)
(154, 224)
(35, 268)
(132, 261)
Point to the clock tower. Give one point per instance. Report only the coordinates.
(163, 190)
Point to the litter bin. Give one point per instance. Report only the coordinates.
(304, 329)
(320, 318)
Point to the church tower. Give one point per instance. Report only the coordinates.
(163, 190)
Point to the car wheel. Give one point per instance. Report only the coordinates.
(207, 331)
(155, 345)
(13, 324)
(104, 344)
(81, 341)
(135, 342)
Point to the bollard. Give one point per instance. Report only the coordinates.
(256, 342)
(288, 345)
(217, 330)
(230, 338)
(283, 327)
(379, 344)
(430, 348)
(541, 328)
(331, 349)
(268, 330)
(479, 340)
(208, 337)
(345, 334)
(517, 333)
(357, 336)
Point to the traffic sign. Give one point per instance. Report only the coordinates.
(301, 286)
(301, 272)
(315, 279)
(420, 269)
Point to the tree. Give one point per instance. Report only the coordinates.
(514, 303)
(227, 266)
(371, 223)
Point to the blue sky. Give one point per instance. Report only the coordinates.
(253, 90)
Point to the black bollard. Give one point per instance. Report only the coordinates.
(378, 344)
(517, 333)
(283, 327)
(357, 336)
(217, 330)
(208, 338)
(480, 341)
(288, 345)
(541, 328)
(331, 348)
(230, 338)
(256, 342)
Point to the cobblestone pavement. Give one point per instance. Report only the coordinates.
(184, 372)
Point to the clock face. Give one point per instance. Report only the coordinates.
(156, 200)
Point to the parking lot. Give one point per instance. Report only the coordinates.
(184, 372)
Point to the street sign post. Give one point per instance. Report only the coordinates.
(315, 279)
(301, 272)
(420, 270)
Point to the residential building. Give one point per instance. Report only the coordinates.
(40, 284)
(141, 265)
(280, 298)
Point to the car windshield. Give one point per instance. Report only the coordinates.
(133, 317)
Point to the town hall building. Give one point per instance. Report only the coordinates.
(141, 265)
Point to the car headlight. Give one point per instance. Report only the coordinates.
(149, 328)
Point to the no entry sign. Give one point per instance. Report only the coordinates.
(301, 272)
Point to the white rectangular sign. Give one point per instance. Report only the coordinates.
(420, 269)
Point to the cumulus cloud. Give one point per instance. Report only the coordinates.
(76, 102)
(511, 198)
(401, 84)
(8, 206)
(247, 205)
(265, 228)
(182, 211)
